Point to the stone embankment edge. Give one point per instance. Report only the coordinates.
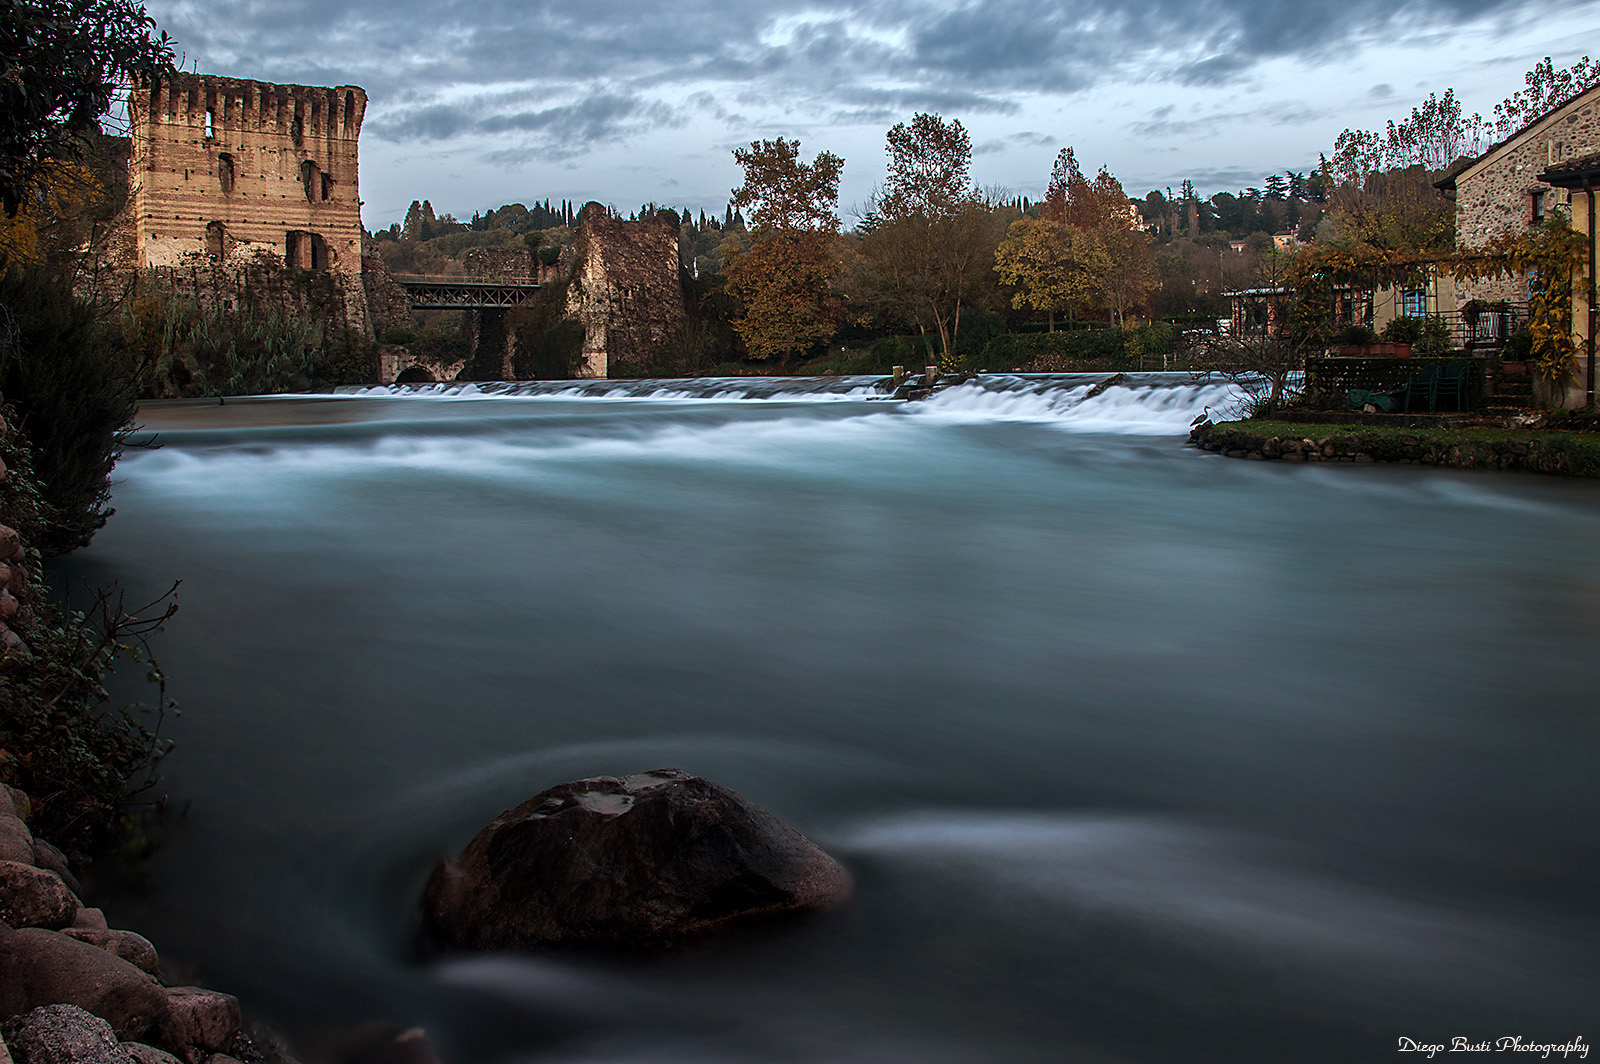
(1561, 454)
(55, 951)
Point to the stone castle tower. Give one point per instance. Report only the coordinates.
(225, 169)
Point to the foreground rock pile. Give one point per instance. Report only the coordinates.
(13, 573)
(647, 860)
(74, 991)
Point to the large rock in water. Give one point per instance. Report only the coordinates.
(645, 860)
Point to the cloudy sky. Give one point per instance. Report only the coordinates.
(475, 104)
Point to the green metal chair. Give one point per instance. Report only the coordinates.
(1453, 382)
(1424, 386)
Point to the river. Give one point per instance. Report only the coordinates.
(1136, 753)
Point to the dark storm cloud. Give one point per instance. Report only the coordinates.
(594, 118)
(1216, 70)
(541, 73)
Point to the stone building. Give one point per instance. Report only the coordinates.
(224, 171)
(1500, 190)
(1509, 187)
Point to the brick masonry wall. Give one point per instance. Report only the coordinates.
(292, 153)
(626, 290)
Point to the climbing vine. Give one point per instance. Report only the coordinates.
(1550, 255)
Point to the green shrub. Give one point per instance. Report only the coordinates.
(550, 254)
(74, 386)
(1358, 335)
(1402, 331)
(1519, 346)
(350, 359)
(80, 759)
(1434, 339)
(978, 327)
(1057, 351)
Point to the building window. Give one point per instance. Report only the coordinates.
(1536, 211)
(225, 171)
(211, 124)
(1414, 303)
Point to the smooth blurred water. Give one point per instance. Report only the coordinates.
(1137, 753)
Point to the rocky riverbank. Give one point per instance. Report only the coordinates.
(1560, 453)
(74, 989)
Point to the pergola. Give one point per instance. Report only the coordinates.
(1583, 175)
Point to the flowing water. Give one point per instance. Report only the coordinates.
(1136, 753)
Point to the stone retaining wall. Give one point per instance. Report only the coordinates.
(1563, 455)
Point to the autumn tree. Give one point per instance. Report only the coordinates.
(783, 278)
(1433, 136)
(1396, 209)
(930, 166)
(61, 64)
(1054, 266)
(1546, 88)
(928, 252)
(1095, 213)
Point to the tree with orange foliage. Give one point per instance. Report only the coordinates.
(784, 278)
(1100, 213)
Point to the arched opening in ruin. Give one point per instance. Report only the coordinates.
(225, 171)
(416, 375)
(216, 242)
(318, 251)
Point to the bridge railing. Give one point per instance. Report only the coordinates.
(441, 279)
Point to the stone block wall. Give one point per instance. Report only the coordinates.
(625, 290)
(1496, 194)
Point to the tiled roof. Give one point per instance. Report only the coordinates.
(1583, 165)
